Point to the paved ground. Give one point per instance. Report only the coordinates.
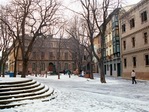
(77, 94)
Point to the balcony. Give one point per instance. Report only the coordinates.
(109, 44)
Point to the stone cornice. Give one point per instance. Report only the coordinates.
(135, 32)
(136, 51)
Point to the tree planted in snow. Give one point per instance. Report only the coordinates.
(29, 19)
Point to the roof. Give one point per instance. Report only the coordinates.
(130, 8)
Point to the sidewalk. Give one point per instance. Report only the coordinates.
(97, 75)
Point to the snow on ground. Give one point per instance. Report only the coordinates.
(77, 94)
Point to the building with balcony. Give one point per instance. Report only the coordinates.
(112, 62)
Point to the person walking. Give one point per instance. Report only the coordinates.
(69, 73)
(133, 76)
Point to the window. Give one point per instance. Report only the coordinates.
(85, 57)
(123, 28)
(34, 66)
(146, 59)
(58, 55)
(118, 48)
(133, 41)
(51, 44)
(132, 23)
(117, 32)
(114, 48)
(113, 18)
(42, 55)
(66, 55)
(66, 65)
(104, 53)
(107, 67)
(34, 55)
(124, 44)
(73, 66)
(143, 16)
(125, 63)
(56, 44)
(51, 55)
(114, 66)
(134, 61)
(42, 66)
(145, 38)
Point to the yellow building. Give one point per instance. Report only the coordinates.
(97, 46)
(11, 60)
(45, 52)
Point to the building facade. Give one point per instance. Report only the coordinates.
(112, 62)
(97, 46)
(134, 25)
(46, 51)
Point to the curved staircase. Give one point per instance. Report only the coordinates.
(15, 90)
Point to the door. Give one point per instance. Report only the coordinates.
(118, 69)
(111, 69)
(105, 69)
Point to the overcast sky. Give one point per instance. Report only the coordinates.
(75, 6)
(68, 1)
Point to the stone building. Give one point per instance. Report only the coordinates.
(53, 51)
(97, 45)
(112, 62)
(134, 27)
(46, 51)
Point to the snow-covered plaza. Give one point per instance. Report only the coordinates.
(77, 94)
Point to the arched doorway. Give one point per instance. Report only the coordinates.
(51, 68)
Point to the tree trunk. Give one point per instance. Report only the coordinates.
(58, 69)
(0, 68)
(102, 75)
(25, 68)
(15, 68)
(3, 70)
(91, 71)
(16, 50)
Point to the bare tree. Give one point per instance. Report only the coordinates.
(15, 54)
(5, 43)
(30, 19)
(61, 43)
(75, 42)
(59, 51)
(39, 48)
(80, 43)
(96, 15)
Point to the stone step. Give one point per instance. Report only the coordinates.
(15, 90)
(30, 99)
(32, 95)
(23, 94)
(20, 87)
(9, 81)
(22, 91)
(17, 84)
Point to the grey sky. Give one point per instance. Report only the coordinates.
(67, 1)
